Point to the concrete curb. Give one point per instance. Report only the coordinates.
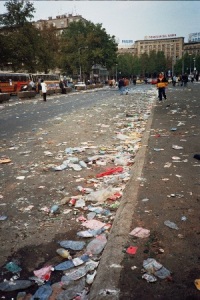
(105, 285)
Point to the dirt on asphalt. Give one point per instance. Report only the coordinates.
(30, 186)
(169, 190)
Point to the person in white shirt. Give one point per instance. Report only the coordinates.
(44, 90)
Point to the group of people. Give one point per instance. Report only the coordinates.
(122, 84)
(182, 79)
(162, 83)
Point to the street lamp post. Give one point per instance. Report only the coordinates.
(183, 65)
(190, 62)
(173, 58)
(116, 73)
(194, 64)
(79, 53)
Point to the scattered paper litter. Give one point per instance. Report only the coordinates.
(140, 232)
(93, 224)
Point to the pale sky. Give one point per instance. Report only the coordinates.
(128, 20)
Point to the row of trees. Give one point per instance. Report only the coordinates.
(150, 65)
(25, 47)
(82, 44)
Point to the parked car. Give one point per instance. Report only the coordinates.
(139, 80)
(149, 80)
(80, 84)
(70, 84)
(154, 81)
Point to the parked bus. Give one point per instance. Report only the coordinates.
(52, 81)
(13, 82)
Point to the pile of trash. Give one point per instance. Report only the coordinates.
(96, 201)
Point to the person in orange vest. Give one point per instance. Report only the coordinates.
(161, 85)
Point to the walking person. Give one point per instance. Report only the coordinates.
(161, 85)
(121, 86)
(174, 80)
(44, 90)
(185, 79)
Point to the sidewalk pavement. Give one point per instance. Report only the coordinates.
(164, 186)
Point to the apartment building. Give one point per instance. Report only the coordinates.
(172, 47)
(60, 22)
(130, 50)
(192, 48)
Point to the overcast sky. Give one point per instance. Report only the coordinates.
(128, 20)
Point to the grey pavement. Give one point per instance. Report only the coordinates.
(164, 186)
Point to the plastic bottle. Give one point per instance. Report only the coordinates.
(96, 246)
(75, 274)
(43, 293)
(73, 245)
(73, 159)
(60, 168)
(90, 277)
(64, 253)
(54, 209)
(171, 225)
(13, 285)
(21, 295)
(82, 164)
(90, 232)
(72, 263)
(71, 289)
(12, 267)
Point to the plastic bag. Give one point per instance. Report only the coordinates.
(96, 246)
(101, 195)
(110, 172)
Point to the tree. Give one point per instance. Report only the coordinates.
(144, 64)
(125, 65)
(18, 13)
(19, 37)
(48, 49)
(20, 48)
(84, 44)
(161, 63)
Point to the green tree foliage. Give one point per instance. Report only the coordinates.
(47, 49)
(18, 36)
(18, 13)
(145, 65)
(23, 46)
(85, 44)
(186, 64)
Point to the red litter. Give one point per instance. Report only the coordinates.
(131, 250)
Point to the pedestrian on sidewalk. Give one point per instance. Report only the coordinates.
(44, 90)
(174, 80)
(121, 86)
(185, 79)
(161, 85)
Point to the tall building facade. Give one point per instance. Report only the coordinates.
(192, 48)
(60, 22)
(172, 47)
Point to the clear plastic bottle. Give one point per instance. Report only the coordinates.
(54, 209)
(171, 225)
(96, 246)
